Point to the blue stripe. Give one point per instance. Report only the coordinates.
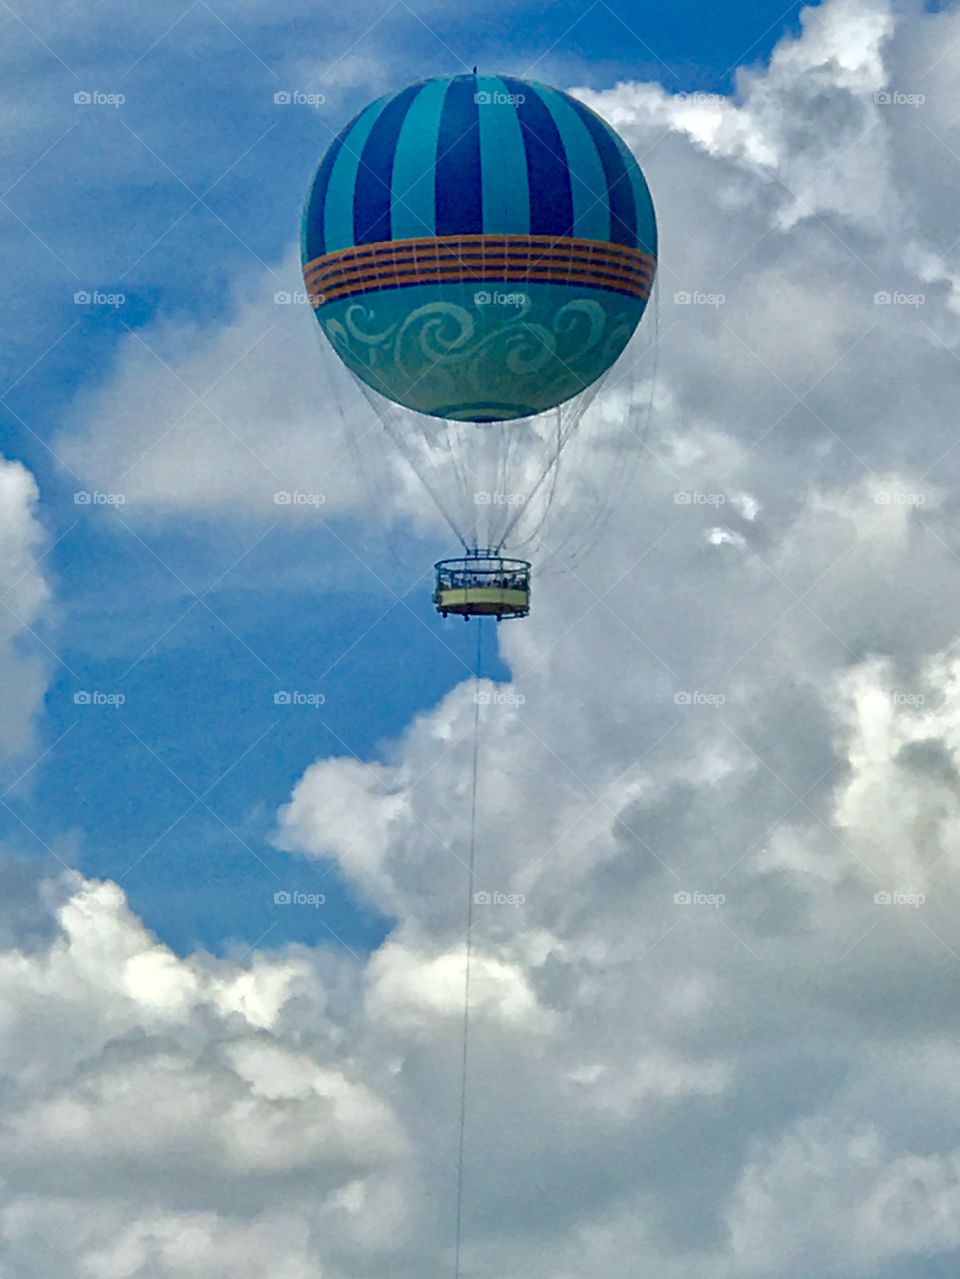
(551, 198)
(588, 183)
(458, 175)
(413, 204)
(642, 201)
(312, 243)
(338, 209)
(433, 160)
(373, 192)
(506, 192)
(623, 214)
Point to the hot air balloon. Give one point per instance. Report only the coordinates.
(479, 251)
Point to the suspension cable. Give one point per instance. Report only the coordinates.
(468, 944)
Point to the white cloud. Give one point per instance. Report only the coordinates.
(163, 1091)
(859, 1205)
(24, 596)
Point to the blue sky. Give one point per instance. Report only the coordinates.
(107, 194)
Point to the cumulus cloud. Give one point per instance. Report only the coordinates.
(24, 597)
(716, 943)
(178, 1100)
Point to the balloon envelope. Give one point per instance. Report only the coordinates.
(479, 248)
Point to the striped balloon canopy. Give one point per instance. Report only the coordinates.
(479, 248)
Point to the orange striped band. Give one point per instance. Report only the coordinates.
(480, 258)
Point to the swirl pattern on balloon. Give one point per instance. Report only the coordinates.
(480, 362)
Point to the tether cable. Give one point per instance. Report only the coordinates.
(468, 946)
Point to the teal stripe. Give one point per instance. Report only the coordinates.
(643, 203)
(503, 162)
(413, 207)
(338, 209)
(591, 209)
(646, 215)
